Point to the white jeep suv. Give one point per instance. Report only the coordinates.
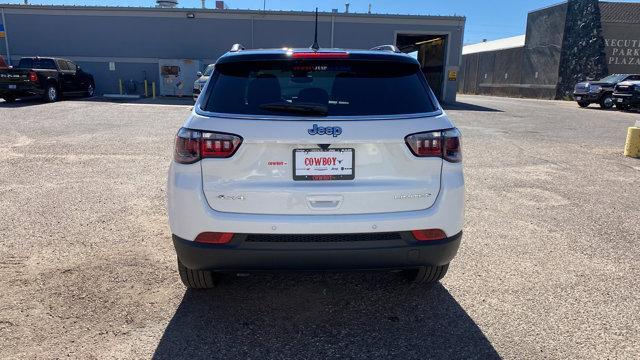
(316, 160)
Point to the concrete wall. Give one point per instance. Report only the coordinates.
(468, 78)
(529, 71)
(565, 44)
(545, 33)
(135, 38)
(493, 72)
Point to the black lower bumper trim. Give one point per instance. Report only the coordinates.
(626, 99)
(588, 97)
(240, 255)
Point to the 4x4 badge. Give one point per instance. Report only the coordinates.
(325, 130)
(231, 197)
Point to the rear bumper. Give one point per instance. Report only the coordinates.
(626, 99)
(20, 91)
(241, 255)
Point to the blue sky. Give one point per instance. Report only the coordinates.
(491, 19)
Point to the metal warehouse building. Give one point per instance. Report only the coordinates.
(169, 45)
(567, 43)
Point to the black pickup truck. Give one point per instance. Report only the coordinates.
(49, 78)
(627, 95)
(601, 91)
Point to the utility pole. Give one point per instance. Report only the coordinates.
(264, 5)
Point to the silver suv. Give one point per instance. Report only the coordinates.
(298, 159)
(202, 79)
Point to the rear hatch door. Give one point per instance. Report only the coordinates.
(259, 178)
(330, 140)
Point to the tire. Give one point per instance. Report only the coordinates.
(426, 274)
(583, 104)
(9, 99)
(606, 102)
(90, 90)
(196, 279)
(52, 94)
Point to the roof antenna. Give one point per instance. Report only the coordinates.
(315, 46)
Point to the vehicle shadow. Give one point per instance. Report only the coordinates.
(161, 100)
(33, 101)
(30, 101)
(304, 316)
(468, 107)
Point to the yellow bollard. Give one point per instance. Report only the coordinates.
(146, 92)
(632, 147)
(120, 85)
(153, 89)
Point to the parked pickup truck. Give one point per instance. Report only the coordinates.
(627, 95)
(49, 78)
(601, 91)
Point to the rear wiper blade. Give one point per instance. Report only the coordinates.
(300, 108)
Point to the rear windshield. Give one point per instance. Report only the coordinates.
(615, 78)
(318, 88)
(27, 63)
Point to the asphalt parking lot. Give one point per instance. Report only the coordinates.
(548, 268)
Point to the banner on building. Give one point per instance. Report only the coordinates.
(2, 33)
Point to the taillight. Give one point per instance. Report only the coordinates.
(452, 148)
(214, 238)
(425, 144)
(429, 235)
(320, 55)
(193, 145)
(216, 145)
(187, 147)
(443, 144)
(33, 77)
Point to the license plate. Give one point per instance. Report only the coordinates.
(578, 98)
(319, 164)
(12, 86)
(620, 100)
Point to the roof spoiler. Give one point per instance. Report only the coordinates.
(237, 47)
(391, 48)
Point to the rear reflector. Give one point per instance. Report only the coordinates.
(214, 238)
(320, 55)
(429, 235)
